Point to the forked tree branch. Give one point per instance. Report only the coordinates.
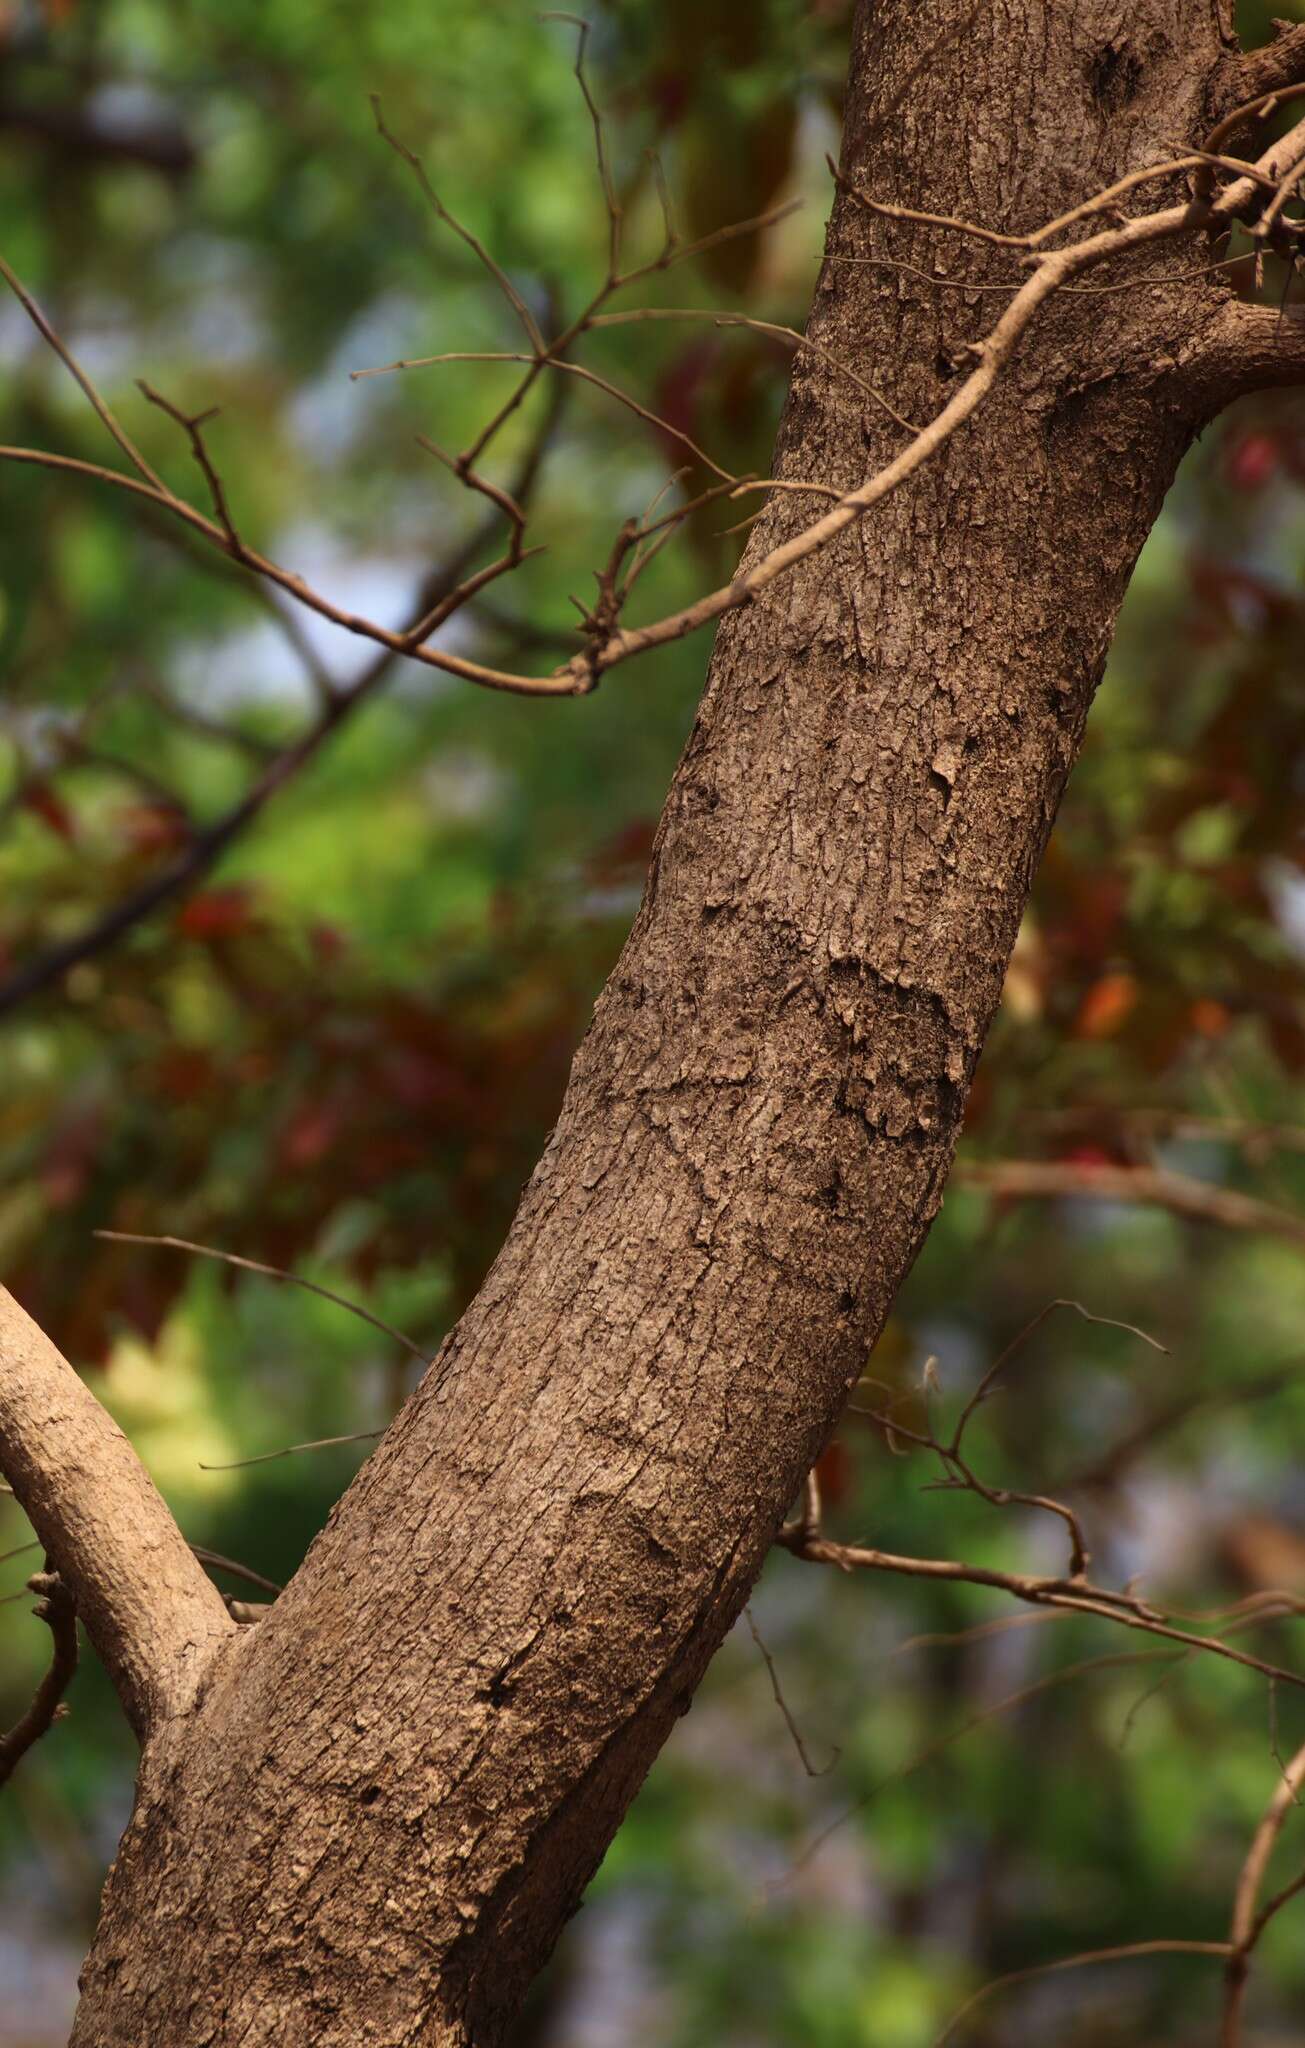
(1248, 1923)
(336, 703)
(153, 1616)
(1052, 270)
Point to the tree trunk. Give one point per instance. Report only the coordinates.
(373, 1822)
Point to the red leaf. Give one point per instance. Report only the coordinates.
(1251, 461)
(1105, 1006)
(310, 1135)
(51, 809)
(834, 1472)
(218, 913)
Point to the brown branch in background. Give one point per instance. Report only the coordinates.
(1051, 270)
(1126, 1952)
(1197, 1201)
(1258, 1141)
(79, 131)
(337, 703)
(191, 718)
(1112, 1661)
(67, 748)
(208, 1251)
(214, 1561)
(317, 1443)
(55, 1607)
(1109, 1466)
(812, 1770)
(1248, 1924)
(1073, 1592)
(607, 642)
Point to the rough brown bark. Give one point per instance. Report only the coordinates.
(373, 1822)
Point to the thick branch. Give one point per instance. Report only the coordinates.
(148, 1608)
(1274, 66)
(1244, 348)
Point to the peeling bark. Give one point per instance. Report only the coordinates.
(373, 1822)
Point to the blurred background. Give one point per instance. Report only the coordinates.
(330, 1030)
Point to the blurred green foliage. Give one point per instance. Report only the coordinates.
(342, 1050)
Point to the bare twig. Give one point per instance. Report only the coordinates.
(1198, 1201)
(1112, 1661)
(1003, 1358)
(1248, 1925)
(473, 242)
(1126, 1952)
(53, 340)
(812, 1770)
(959, 1474)
(1051, 270)
(55, 1607)
(317, 1443)
(208, 1251)
(1072, 1595)
(214, 1561)
(544, 360)
(192, 426)
(789, 335)
(336, 705)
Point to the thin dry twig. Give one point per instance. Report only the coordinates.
(54, 340)
(985, 1385)
(546, 361)
(54, 1606)
(208, 1251)
(317, 1443)
(1197, 1201)
(337, 704)
(1051, 270)
(812, 1770)
(959, 1474)
(1111, 1661)
(1071, 1595)
(1124, 1952)
(1248, 1924)
(798, 342)
(214, 1561)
